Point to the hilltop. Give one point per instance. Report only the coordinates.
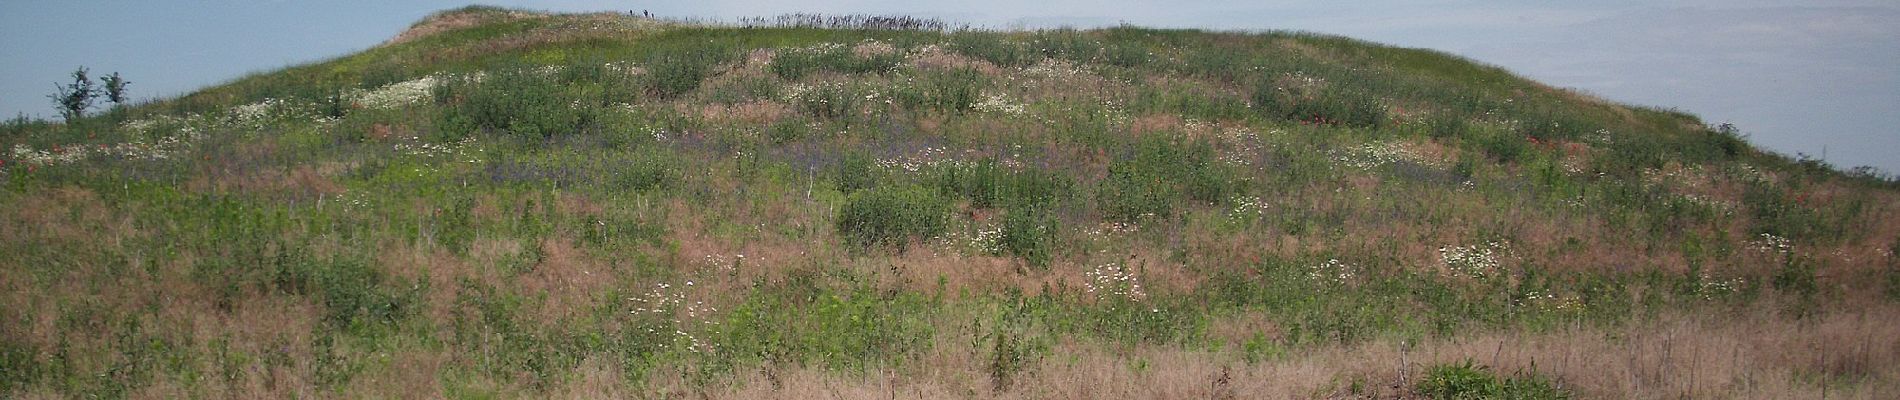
(506, 203)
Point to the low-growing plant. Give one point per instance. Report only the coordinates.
(517, 101)
(1468, 381)
(1067, 44)
(955, 90)
(1156, 173)
(1126, 55)
(892, 215)
(1328, 106)
(828, 102)
(673, 72)
(805, 319)
(1028, 233)
(992, 47)
(795, 64)
(855, 171)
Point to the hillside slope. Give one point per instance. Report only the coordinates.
(502, 203)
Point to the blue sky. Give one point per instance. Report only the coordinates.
(1812, 77)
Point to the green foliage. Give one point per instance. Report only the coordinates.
(1891, 286)
(1015, 344)
(987, 184)
(17, 365)
(1502, 146)
(1776, 212)
(804, 320)
(1067, 44)
(1330, 107)
(676, 71)
(1158, 171)
(73, 99)
(829, 102)
(353, 292)
(855, 171)
(516, 101)
(1796, 276)
(1468, 381)
(114, 86)
(797, 64)
(993, 47)
(892, 215)
(1126, 55)
(651, 169)
(1028, 233)
(954, 90)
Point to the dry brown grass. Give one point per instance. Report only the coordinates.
(939, 59)
(567, 280)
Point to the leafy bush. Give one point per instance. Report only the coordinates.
(1015, 344)
(1028, 233)
(986, 184)
(649, 170)
(795, 64)
(1333, 107)
(1502, 146)
(1067, 44)
(17, 366)
(992, 47)
(1126, 55)
(1469, 381)
(828, 102)
(674, 72)
(852, 329)
(1160, 171)
(856, 171)
(892, 215)
(955, 90)
(517, 101)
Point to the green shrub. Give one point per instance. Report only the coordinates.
(992, 47)
(1067, 44)
(789, 130)
(892, 215)
(517, 101)
(17, 366)
(1159, 171)
(1126, 55)
(1333, 107)
(795, 64)
(674, 72)
(650, 169)
(828, 102)
(856, 171)
(1015, 345)
(1503, 146)
(805, 320)
(1130, 195)
(987, 184)
(955, 90)
(1028, 233)
(1444, 126)
(1469, 381)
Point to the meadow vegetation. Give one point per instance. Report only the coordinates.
(502, 203)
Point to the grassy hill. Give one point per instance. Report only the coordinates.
(501, 203)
